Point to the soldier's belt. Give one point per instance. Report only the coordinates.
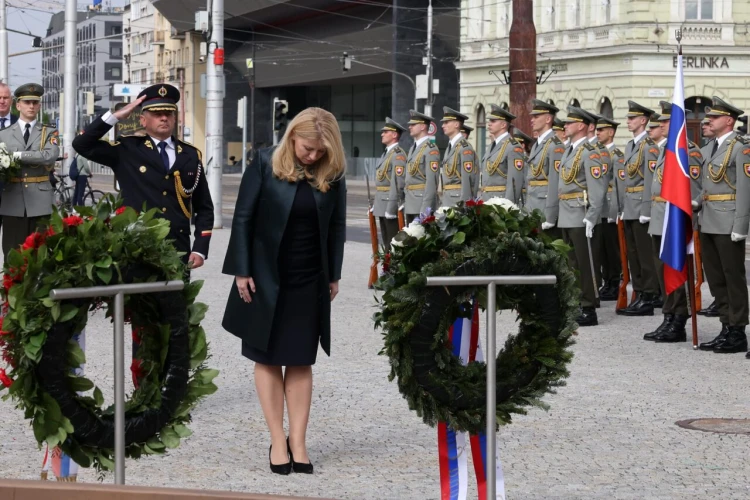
(719, 197)
(450, 187)
(383, 188)
(41, 178)
(489, 189)
(636, 189)
(658, 199)
(414, 187)
(570, 196)
(538, 183)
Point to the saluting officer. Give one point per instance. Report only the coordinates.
(502, 165)
(460, 173)
(581, 191)
(389, 181)
(158, 169)
(610, 250)
(28, 198)
(724, 217)
(641, 155)
(672, 328)
(422, 168)
(544, 165)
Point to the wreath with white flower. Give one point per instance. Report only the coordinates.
(475, 239)
(101, 245)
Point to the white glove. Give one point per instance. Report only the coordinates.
(17, 155)
(400, 208)
(390, 216)
(589, 228)
(694, 204)
(643, 219)
(611, 221)
(371, 209)
(547, 225)
(738, 237)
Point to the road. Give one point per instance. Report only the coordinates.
(357, 225)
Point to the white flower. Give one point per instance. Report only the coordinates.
(502, 202)
(395, 243)
(415, 229)
(442, 210)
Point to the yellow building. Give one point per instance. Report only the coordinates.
(598, 54)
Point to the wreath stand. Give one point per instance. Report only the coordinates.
(119, 292)
(491, 282)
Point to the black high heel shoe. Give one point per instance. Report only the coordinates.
(283, 469)
(298, 467)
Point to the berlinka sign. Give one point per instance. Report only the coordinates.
(702, 62)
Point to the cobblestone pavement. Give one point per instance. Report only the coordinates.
(610, 432)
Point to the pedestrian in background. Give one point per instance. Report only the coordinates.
(286, 251)
(84, 172)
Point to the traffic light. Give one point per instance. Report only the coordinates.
(280, 110)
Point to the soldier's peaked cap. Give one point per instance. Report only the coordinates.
(499, 113)
(466, 128)
(577, 115)
(558, 124)
(635, 109)
(654, 120)
(666, 111)
(539, 107)
(519, 134)
(393, 126)
(29, 92)
(604, 122)
(160, 97)
(451, 114)
(723, 108)
(415, 117)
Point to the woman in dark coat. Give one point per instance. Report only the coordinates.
(286, 251)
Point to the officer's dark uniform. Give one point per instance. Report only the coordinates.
(179, 191)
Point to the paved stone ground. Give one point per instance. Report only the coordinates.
(610, 433)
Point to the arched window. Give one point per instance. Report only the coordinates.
(481, 130)
(605, 108)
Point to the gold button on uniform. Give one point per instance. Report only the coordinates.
(164, 193)
(164, 209)
(166, 177)
(142, 169)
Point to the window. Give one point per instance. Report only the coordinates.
(605, 109)
(577, 14)
(607, 11)
(112, 71)
(699, 10)
(552, 17)
(115, 50)
(481, 130)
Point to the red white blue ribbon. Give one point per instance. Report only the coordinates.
(453, 446)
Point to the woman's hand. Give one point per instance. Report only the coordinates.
(334, 289)
(246, 286)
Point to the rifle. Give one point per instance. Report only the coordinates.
(698, 269)
(591, 254)
(373, 237)
(622, 292)
(401, 221)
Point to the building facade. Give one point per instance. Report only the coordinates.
(598, 54)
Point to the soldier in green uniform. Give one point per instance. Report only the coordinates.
(503, 162)
(422, 168)
(582, 189)
(389, 181)
(544, 165)
(641, 155)
(28, 198)
(610, 249)
(675, 309)
(724, 216)
(460, 171)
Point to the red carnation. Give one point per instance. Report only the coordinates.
(73, 220)
(136, 369)
(7, 382)
(428, 219)
(34, 240)
(7, 281)
(120, 210)
(50, 232)
(471, 203)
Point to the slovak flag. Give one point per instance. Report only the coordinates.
(677, 235)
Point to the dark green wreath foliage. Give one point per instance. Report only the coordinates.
(475, 239)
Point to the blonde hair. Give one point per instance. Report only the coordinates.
(312, 124)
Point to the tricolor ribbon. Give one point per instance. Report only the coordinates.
(453, 447)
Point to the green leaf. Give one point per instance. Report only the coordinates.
(169, 437)
(459, 238)
(197, 340)
(104, 262)
(197, 312)
(98, 396)
(80, 384)
(197, 359)
(75, 355)
(105, 275)
(59, 256)
(56, 312)
(192, 290)
(90, 271)
(202, 390)
(79, 456)
(465, 221)
(69, 312)
(106, 462)
(182, 431)
(155, 444)
(206, 376)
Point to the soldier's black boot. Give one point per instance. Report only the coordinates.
(711, 311)
(643, 307)
(709, 346)
(736, 341)
(635, 303)
(609, 290)
(658, 302)
(587, 317)
(675, 332)
(661, 328)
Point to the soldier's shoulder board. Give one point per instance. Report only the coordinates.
(588, 145)
(618, 152)
(742, 139)
(198, 151)
(649, 141)
(464, 143)
(556, 140)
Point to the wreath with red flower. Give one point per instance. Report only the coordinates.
(101, 245)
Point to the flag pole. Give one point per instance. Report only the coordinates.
(689, 263)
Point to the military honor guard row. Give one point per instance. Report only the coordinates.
(604, 201)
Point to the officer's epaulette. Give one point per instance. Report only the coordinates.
(588, 145)
(742, 139)
(650, 141)
(514, 141)
(556, 140)
(691, 144)
(618, 152)
(48, 125)
(464, 143)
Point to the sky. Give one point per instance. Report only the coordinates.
(33, 16)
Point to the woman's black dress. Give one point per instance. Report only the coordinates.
(295, 333)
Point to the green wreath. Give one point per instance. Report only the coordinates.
(102, 245)
(475, 238)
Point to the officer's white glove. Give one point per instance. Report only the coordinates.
(371, 209)
(16, 155)
(696, 206)
(589, 228)
(643, 219)
(738, 237)
(547, 225)
(390, 216)
(611, 220)
(400, 208)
